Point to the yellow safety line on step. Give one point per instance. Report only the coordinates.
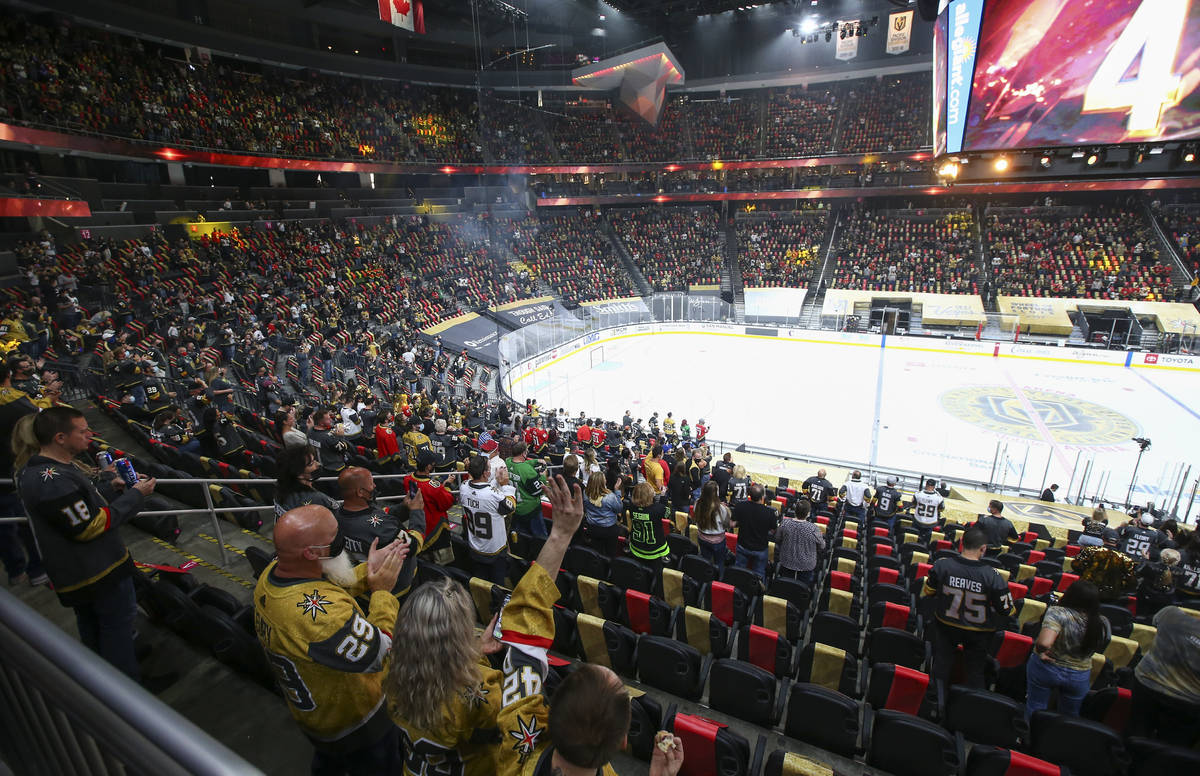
(202, 562)
(228, 546)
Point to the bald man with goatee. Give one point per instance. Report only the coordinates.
(329, 656)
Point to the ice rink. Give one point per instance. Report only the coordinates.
(939, 411)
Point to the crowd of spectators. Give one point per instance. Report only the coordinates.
(899, 251)
(1108, 252)
(800, 121)
(1183, 226)
(674, 247)
(78, 78)
(513, 132)
(570, 254)
(889, 113)
(82, 79)
(586, 134)
(727, 127)
(781, 250)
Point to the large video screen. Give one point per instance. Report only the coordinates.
(1042, 73)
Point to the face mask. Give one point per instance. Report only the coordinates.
(338, 545)
(370, 498)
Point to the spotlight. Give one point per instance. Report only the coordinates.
(809, 25)
(1189, 156)
(1001, 164)
(1046, 161)
(1092, 159)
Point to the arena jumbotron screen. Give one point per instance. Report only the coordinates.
(1045, 73)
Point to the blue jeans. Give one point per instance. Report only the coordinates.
(857, 512)
(1042, 677)
(755, 560)
(532, 523)
(106, 626)
(18, 552)
(717, 553)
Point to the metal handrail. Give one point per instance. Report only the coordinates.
(212, 510)
(65, 710)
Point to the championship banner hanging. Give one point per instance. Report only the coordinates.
(409, 14)
(847, 47)
(899, 36)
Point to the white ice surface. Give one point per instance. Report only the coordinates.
(818, 399)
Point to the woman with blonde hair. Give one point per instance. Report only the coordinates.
(601, 508)
(739, 485)
(440, 688)
(647, 541)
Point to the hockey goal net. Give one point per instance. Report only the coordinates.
(595, 356)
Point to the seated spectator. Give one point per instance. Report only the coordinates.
(571, 254)
(297, 468)
(881, 251)
(889, 113)
(780, 251)
(1166, 682)
(800, 121)
(673, 247)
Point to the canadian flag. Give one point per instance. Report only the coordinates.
(409, 14)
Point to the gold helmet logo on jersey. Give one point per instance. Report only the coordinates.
(1035, 414)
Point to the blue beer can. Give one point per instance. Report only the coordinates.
(104, 459)
(125, 469)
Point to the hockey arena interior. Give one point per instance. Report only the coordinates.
(562, 387)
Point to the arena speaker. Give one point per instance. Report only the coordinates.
(928, 9)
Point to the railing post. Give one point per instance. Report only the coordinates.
(216, 522)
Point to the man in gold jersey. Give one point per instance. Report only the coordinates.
(329, 657)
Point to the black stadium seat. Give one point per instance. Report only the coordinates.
(631, 575)
(822, 717)
(671, 666)
(1154, 758)
(766, 649)
(744, 691)
(986, 717)
(904, 745)
(996, 761)
(1079, 744)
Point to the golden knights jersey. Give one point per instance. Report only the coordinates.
(484, 507)
(453, 748)
(327, 656)
(926, 507)
(970, 594)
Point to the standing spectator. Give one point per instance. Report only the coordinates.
(1138, 539)
(528, 481)
(722, 472)
(602, 509)
(329, 655)
(1166, 682)
(1048, 493)
(332, 447)
(856, 496)
(887, 502)
(818, 490)
(362, 522)
(712, 518)
(1071, 633)
(484, 507)
(437, 501)
(296, 467)
(652, 469)
(76, 532)
(18, 551)
(996, 527)
(680, 487)
(647, 542)
(927, 506)
(697, 472)
(798, 544)
(969, 597)
(570, 471)
(739, 485)
(754, 522)
(496, 464)
(387, 448)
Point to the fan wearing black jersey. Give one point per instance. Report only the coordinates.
(887, 502)
(1138, 539)
(818, 490)
(970, 602)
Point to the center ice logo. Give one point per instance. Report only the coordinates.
(1035, 414)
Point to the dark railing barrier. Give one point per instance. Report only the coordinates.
(63, 710)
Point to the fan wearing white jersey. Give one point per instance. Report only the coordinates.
(926, 509)
(484, 506)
